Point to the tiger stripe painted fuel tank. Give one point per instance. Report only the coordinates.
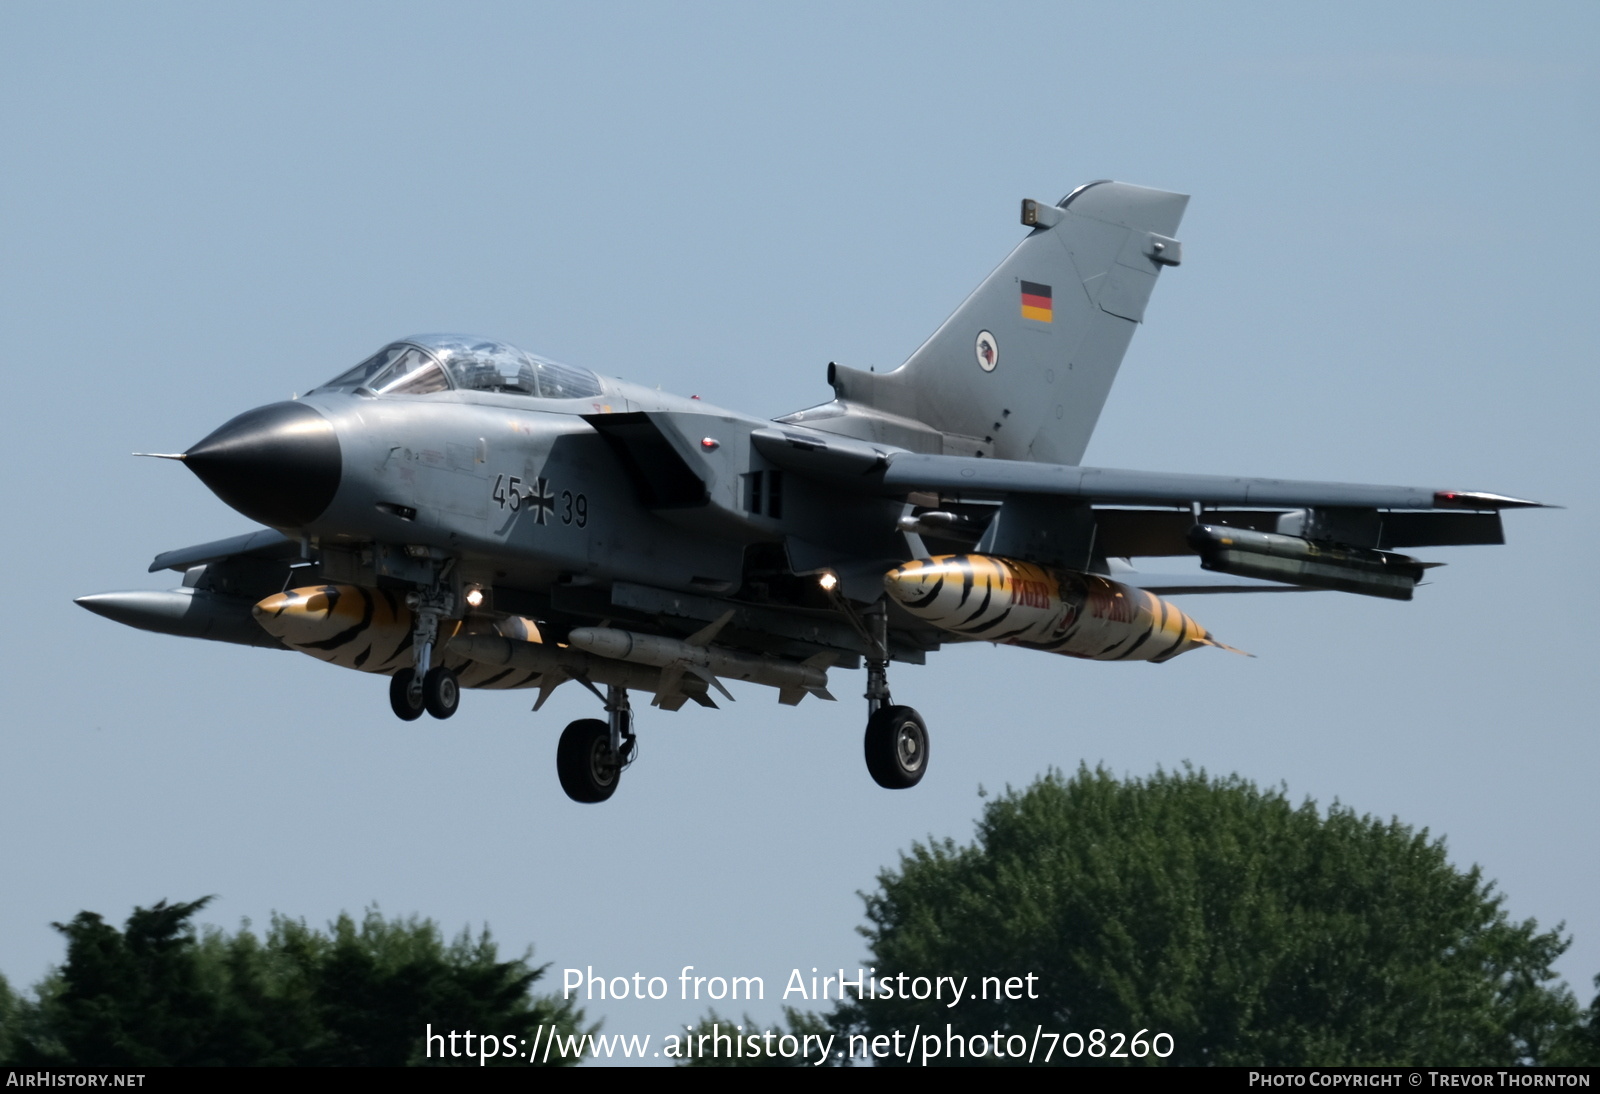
(356, 627)
(991, 599)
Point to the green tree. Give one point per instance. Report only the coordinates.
(1581, 1045)
(1251, 931)
(159, 992)
(10, 1019)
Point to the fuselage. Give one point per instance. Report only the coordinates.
(614, 483)
(523, 491)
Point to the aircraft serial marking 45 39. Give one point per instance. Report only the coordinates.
(454, 512)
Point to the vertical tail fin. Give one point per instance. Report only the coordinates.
(1023, 367)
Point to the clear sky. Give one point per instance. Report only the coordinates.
(1388, 277)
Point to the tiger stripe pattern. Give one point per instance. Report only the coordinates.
(991, 599)
(370, 630)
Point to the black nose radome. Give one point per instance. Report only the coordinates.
(278, 464)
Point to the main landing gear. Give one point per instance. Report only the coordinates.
(897, 747)
(425, 686)
(896, 744)
(591, 754)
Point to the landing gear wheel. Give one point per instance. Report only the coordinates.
(441, 693)
(897, 747)
(404, 697)
(588, 769)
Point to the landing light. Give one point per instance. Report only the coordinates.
(829, 582)
(475, 598)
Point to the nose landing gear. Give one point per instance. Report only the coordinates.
(441, 693)
(426, 686)
(438, 692)
(405, 695)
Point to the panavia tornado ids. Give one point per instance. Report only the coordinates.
(454, 512)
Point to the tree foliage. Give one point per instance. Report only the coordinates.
(1581, 1045)
(1252, 931)
(159, 992)
(10, 1016)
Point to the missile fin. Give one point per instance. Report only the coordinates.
(709, 677)
(584, 680)
(669, 684)
(704, 700)
(704, 635)
(790, 697)
(548, 682)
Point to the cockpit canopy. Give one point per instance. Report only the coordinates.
(461, 362)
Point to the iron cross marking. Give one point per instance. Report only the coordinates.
(544, 500)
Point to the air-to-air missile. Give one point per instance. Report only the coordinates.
(992, 599)
(556, 664)
(695, 657)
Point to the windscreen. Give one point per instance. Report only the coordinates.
(439, 362)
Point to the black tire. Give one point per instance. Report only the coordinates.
(897, 748)
(588, 771)
(441, 692)
(405, 700)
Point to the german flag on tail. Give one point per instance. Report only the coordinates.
(1036, 303)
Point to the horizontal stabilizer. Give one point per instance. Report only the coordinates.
(188, 613)
(264, 543)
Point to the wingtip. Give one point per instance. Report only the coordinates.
(1478, 499)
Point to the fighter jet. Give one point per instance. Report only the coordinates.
(454, 512)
